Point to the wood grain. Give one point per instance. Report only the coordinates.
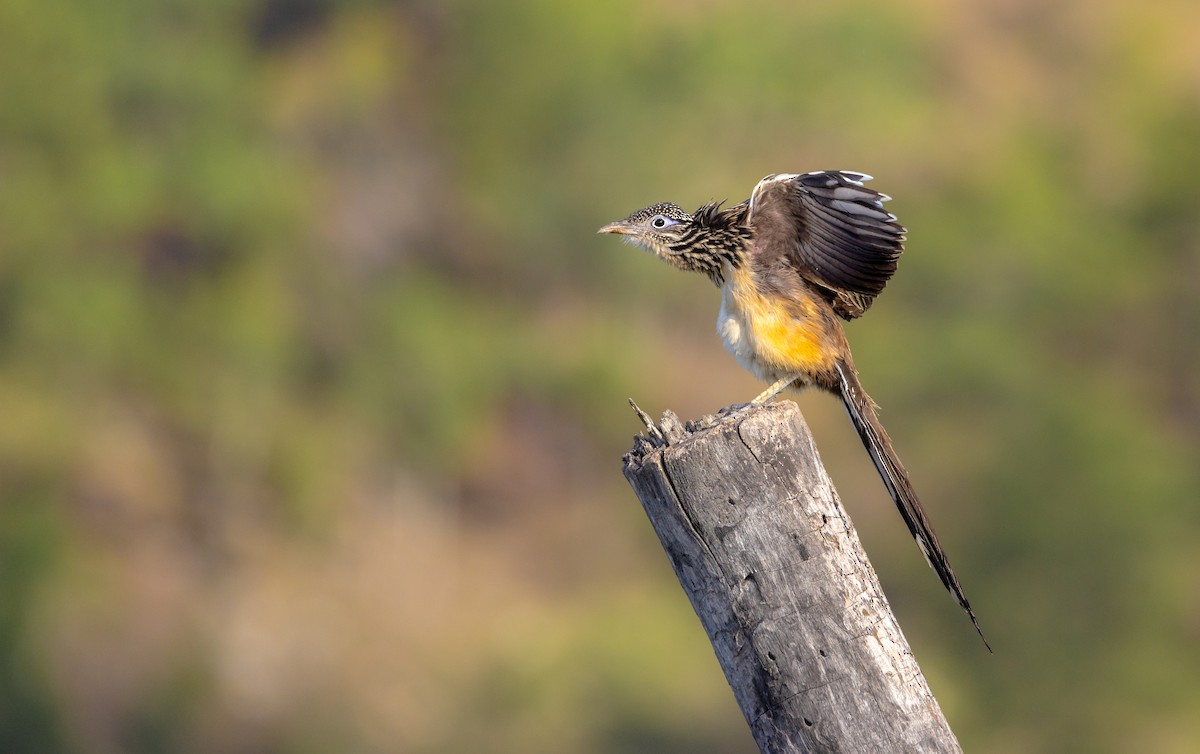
(775, 571)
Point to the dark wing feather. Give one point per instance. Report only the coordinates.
(833, 231)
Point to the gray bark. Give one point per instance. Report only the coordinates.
(775, 571)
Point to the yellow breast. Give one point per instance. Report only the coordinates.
(773, 337)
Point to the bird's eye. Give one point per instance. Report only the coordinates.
(662, 221)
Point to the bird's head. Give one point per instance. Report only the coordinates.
(656, 228)
(700, 242)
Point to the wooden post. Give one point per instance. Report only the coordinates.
(773, 567)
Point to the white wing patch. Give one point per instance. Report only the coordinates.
(853, 176)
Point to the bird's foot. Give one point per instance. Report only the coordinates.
(733, 410)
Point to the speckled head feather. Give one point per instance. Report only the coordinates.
(705, 241)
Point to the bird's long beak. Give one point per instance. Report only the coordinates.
(620, 228)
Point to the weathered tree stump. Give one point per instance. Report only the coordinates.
(776, 573)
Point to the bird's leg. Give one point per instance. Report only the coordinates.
(762, 398)
(774, 390)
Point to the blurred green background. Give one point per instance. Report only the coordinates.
(313, 371)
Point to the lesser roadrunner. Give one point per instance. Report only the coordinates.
(800, 253)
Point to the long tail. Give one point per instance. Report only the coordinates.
(862, 412)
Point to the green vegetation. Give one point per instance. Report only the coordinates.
(313, 373)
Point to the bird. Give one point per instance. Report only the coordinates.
(805, 252)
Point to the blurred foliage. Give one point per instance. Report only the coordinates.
(313, 372)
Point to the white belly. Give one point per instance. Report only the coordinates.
(735, 332)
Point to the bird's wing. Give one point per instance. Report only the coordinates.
(832, 230)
